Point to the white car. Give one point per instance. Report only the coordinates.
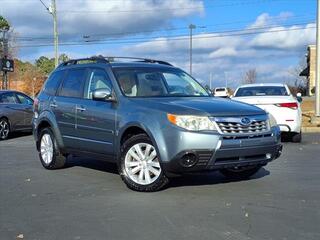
(277, 100)
(221, 92)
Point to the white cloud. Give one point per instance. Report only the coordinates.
(223, 52)
(77, 18)
(228, 58)
(266, 19)
(280, 38)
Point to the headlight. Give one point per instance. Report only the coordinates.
(272, 121)
(192, 123)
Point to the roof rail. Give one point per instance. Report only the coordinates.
(97, 59)
(101, 59)
(146, 60)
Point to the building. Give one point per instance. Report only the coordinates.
(310, 71)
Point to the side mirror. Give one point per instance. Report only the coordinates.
(103, 94)
(299, 97)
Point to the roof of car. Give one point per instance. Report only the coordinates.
(138, 64)
(263, 84)
(10, 91)
(5, 91)
(116, 62)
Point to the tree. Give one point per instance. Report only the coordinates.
(63, 58)
(4, 28)
(26, 78)
(4, 24)
(45, 64)
(298, 83)
(250, 76)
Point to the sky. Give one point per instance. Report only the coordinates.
(230, 38)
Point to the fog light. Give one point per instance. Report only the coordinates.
(189, 160)
(268, 155)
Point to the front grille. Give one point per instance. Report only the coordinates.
(247, 136)
(234, 125)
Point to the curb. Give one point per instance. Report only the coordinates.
(310, 129)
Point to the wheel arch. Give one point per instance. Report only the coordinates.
(11, 129)
(7, 118)
(133, 129)
(46, 120)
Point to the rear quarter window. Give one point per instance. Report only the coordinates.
(73, 83)
(53, 82)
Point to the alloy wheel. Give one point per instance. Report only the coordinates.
(4, 129)
(46, 148)
(141, 164)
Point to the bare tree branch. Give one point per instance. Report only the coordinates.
(250, 76)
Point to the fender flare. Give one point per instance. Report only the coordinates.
(49, 117)
(138, 125)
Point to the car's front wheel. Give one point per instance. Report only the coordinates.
(4, 129)
(240, 172)
(49, 153)
(139, 165)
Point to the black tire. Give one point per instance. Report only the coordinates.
(296, 137)
(58, 160)
(4, 124)
(159, 183)
(240, 173)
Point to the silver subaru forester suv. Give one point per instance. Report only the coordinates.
(152, 119)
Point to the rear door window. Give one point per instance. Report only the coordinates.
(73, 83)
(24, 99)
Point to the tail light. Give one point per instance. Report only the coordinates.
(35, 107)
(292, 105)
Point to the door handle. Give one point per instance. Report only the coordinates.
(81, 109)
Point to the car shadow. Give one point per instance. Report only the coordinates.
(14, 135)
(211, 178)
(194, 179)
(99, 165)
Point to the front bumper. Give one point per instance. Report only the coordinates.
(228, 153)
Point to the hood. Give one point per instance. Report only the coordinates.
(203, 106)
(265, 100)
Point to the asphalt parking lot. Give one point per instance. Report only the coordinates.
(88, 200)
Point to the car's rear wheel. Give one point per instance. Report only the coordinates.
(49, 153)
(240, 172)
(139, 165)
(4, 129)
(296, 137)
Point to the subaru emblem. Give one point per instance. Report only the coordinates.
(245, 121)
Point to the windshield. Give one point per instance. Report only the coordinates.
(262, 91)
(147, 82)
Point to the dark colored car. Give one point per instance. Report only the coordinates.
(152, 119)
(16, 112)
